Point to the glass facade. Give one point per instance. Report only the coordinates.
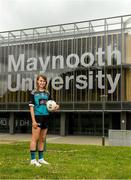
(83, 61)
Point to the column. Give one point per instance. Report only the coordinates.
(62, 124)
(11, 123)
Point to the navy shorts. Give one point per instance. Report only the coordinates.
(42, 121)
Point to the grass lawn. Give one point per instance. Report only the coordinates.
(66, 162)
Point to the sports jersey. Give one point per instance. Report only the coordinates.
(38, 100)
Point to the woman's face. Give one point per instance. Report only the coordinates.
(41, 83)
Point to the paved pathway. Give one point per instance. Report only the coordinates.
(93, 140)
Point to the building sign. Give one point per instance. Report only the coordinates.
(22, 122)
(62, 65)
(4, 122)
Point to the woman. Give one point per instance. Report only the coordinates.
(39, 116)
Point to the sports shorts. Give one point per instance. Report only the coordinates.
(42, 121)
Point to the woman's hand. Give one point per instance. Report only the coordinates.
(57, 107)
(34, 124)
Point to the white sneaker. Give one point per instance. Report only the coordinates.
(34, 162)
(42, 161)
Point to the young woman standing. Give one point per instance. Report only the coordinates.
(40, 116)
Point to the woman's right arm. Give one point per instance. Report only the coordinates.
(31, 105)
(34, 123)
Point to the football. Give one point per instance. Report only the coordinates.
(51, 105)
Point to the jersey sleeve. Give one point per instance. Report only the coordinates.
(31, 99)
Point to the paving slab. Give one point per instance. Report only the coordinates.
(89, 140)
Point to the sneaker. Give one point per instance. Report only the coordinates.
(42, 161)
(34, 162)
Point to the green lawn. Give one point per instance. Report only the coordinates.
(66, 162)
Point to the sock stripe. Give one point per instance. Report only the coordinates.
(32, 151)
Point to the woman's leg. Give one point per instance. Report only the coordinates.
(34, 139)
(42, 138)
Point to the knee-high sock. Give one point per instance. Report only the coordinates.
(40, 154)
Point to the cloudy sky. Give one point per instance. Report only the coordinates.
(16, 14)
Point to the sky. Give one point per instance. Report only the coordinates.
(20, 14)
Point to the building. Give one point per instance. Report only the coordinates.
(88, 65)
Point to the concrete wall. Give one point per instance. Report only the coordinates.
(120, 137)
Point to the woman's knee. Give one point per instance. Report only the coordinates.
(33, 141)
(35, 138)
(41, 139)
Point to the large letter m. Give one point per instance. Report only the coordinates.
(13, 65)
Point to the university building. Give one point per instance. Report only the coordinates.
(88, 65)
